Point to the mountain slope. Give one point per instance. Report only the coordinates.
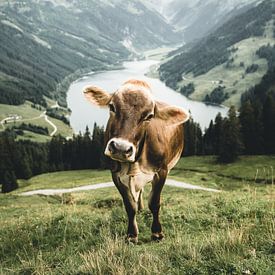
(196, 18)
(224, 64)
(42, 42)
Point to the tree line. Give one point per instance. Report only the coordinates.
(23, 159)
(251, 131)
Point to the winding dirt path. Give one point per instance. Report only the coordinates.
(169, 182)
(52, 124)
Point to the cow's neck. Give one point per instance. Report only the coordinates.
(133, 169)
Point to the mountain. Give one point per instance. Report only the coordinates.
(222, 66)
(196, 18)
(42, 42)
(162, 6)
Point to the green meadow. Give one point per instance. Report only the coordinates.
(33, 116)
(231, 232)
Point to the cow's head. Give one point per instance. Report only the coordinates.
(132, 107)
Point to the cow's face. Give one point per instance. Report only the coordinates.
(131, 107)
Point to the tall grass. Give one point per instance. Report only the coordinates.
(206, 233)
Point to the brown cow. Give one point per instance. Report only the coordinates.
(144, 139)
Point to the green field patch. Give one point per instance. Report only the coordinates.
(65, 179)
(28, 114)
(206, 171)
(33, 136)
(24, 110)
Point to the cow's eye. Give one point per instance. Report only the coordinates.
(112, 108)
(149, 117)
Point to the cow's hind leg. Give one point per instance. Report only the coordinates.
(154, 204)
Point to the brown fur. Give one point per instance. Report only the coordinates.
(137, 83)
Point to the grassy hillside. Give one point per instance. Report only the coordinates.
(224, 65)
(27, 113)
(232, 75)
(83, 233)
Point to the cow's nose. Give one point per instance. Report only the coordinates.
(116, 147)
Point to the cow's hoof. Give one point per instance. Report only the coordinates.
(130, 239)
(157, 237)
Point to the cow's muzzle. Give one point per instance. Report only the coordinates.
(121, 150)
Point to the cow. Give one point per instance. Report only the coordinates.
(144, 140)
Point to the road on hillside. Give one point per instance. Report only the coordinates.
(169, 182)
(42, 115)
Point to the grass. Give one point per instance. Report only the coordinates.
(24, 110)
(158, 53)
(32, 115)
(67, 179)
(34, 136)
(207, 172)
(232, 232)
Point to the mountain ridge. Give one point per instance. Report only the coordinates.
(222, 49)
(44, 41)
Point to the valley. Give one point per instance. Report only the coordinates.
(39, 61)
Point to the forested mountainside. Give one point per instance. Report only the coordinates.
(42, 42)
(226, 63)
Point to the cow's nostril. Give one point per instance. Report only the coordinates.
(130, 151)
(112, 147)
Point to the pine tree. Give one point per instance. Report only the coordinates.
(97, 146)
(192, 138)
(230, 143)
(269, 125)
(208, 140)
(7, 174)
(251, 129)
(56, 153)
(217, 133)
(9, 182)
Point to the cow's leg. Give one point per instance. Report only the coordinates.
(140, 201)
(154, 204)
(131, 207)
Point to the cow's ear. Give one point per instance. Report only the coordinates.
(175, 115)
(97, 96)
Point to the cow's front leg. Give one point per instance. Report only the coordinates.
(154, 204)
(131, 207)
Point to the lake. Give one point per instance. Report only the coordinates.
(84, 113)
